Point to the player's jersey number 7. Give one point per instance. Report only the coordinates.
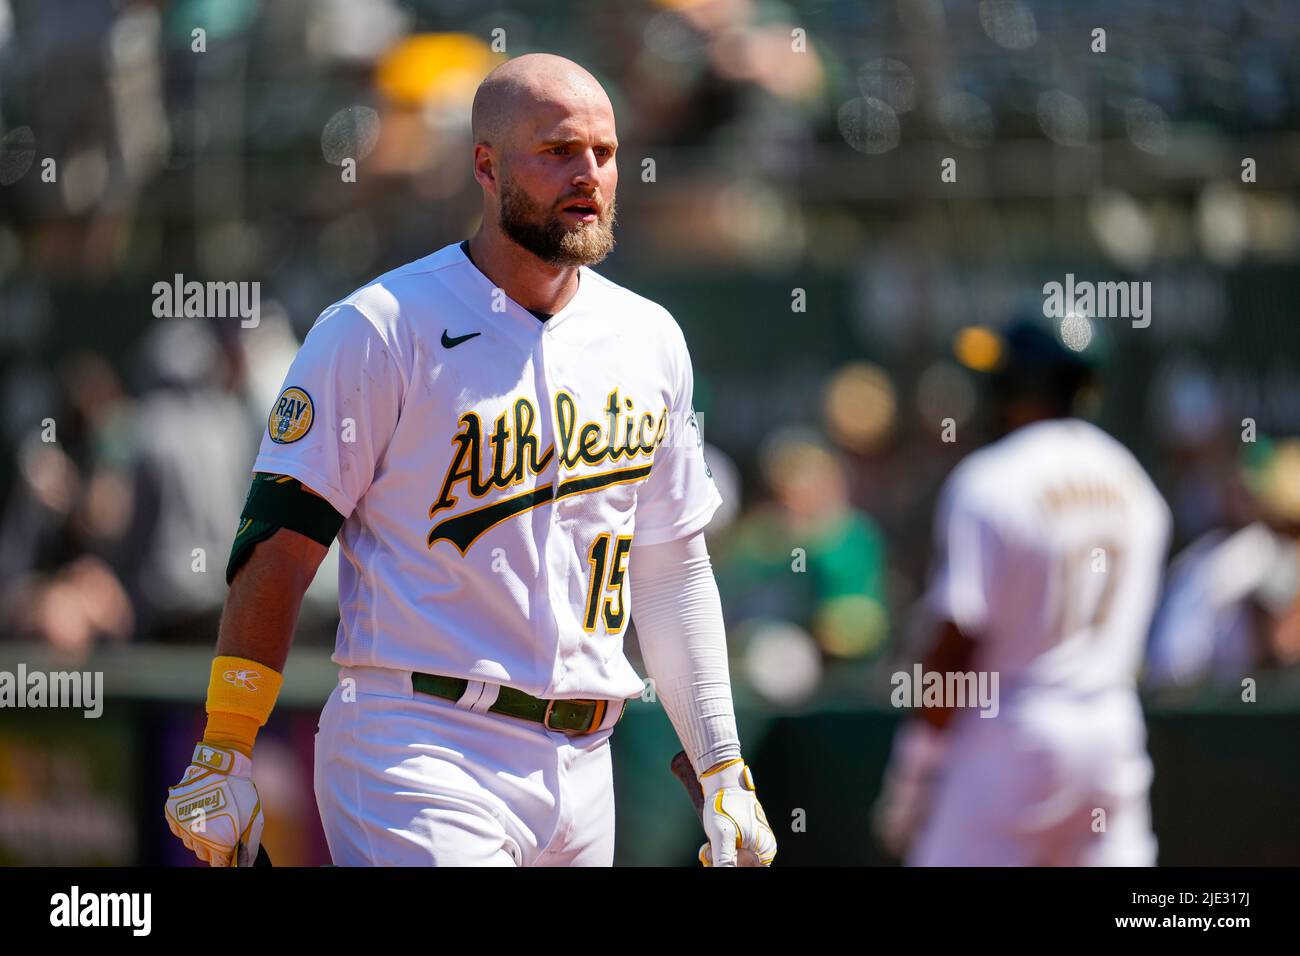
(1086, 584)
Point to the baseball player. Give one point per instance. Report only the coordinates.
(503, 442)
(1049, 545)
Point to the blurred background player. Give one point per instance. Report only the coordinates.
(1049, 545)
(1231, 606)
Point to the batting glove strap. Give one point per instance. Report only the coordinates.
(215, 809)
(220, 759)
(731, 775)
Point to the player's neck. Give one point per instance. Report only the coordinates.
(534, 284)
(1017, 415)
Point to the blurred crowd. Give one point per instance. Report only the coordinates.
(212, 138)
(824, 569)
(117, 516)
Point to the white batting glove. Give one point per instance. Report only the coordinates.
(215, 809)
(737, 827)
(904, 801)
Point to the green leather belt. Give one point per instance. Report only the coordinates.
(566, 716)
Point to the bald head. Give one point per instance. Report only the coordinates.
(527, 87)
(544, 145)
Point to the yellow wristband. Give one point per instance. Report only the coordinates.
(231, 730)
(241, 696)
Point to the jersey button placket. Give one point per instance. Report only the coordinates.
(555, 535)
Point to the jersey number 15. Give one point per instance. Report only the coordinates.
(605, 593)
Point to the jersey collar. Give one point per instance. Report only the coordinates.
(519, 316)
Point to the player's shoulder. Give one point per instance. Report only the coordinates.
(635, 311)
(988, 466)
(382, 308)
(1051, 440)
(987, 476)
(1041, 453)
(386, 299)
(1095, 443)
(973, 482)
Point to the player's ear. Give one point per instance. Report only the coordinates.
(485, 166)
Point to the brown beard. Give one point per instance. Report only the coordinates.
(543, 233)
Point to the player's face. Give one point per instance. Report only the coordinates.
(557, 188)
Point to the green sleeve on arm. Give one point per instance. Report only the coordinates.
(275, 502)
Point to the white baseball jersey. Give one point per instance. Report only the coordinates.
(1050, 544)
(493, 471)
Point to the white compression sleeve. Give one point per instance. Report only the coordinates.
(678, 616)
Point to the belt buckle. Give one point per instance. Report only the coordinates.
(550, 706)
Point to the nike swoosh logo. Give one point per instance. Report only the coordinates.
(450, 343)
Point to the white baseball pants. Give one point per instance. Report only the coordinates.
(1044, 784)
(407, 779)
